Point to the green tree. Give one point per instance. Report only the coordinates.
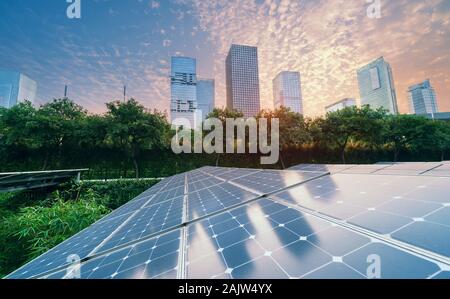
(223, 115)
(56, 126)
(132, 128)
(442, 137)
(338, 128)
(409, 132)
(293, 128)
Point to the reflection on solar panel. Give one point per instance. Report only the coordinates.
(245, 223)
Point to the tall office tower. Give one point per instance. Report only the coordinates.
(376, 86)
(422, 98)
(205, 97)
(242, 74)
(287, 91)
(16, 88)
(183, 88)
(347, 102)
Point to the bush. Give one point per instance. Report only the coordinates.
(33, 223)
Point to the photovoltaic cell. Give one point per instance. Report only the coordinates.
(395, 206)
(215, 199)
(267, 239)
(146, 222)
(81, 244)
(332, 168)
(249, 223)
(155, 258)
(270, 181)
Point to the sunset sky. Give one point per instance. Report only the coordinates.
(130, 42)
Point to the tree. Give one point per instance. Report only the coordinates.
(223, 115)
(133, 128)
(442, 137)
(409, 132)
(55, 127)
(338, 128)
(293, 128)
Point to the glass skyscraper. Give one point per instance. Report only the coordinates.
(347, 102)
(183, 88)
(422, 98)
(287, 91)
(376, 86)
(205, 97)
(242, 74)
(15, 88)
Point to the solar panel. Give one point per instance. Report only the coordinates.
(393, 206)
(269, 181)
(332, 168)
(248, 223)
(267, 239)
(154, 258)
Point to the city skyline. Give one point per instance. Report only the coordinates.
(116, 44)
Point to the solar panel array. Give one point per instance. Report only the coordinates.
(313, 221)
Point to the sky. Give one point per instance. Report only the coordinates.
(117, 43)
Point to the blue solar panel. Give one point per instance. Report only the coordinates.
(395, 206)
(267, 239)
(215, 199)
(155, 258)
(81, 244)
(246, 223)
(147, 222)
(269, 181)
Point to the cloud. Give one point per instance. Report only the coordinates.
(327, 41)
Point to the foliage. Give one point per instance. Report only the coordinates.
(132, 128)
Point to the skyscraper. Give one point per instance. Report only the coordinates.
(243, 80)
(376, 86)
(205, 97)
(422, 98)
(287, 91)
(347, 102)
(183, 88)
(15, 88)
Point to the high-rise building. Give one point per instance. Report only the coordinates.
(183, 88)
(242, 74)
(205, 97)
(347, 102)
(422, 98)
(376, 86)
(287, 91)
(15, 88)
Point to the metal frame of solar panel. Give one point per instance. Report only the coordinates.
(244, 223)
(19, 181)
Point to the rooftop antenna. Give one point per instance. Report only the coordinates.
(124, 93)
(65, 91)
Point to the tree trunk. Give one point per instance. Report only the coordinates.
(44, 166)
(396, 154)
(282, 162)
(343, 155)
(136, 167)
